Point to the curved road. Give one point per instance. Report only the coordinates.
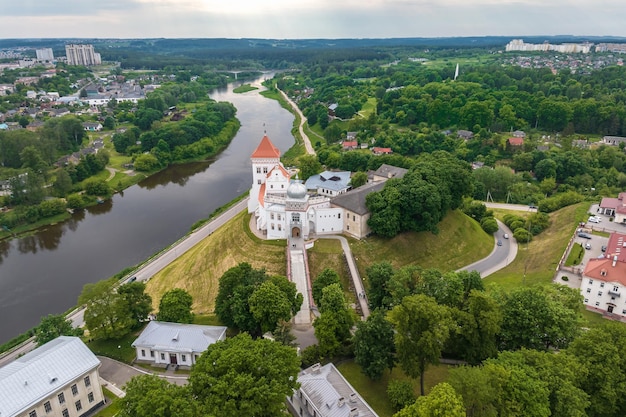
(305, 138)
(499, 257)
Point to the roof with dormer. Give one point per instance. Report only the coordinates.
(607, 270)
(43, 371)
(178, 337)
(266, 149)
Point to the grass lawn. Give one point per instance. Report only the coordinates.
(368, 108)
(575, 255)
(539, 259)
(113, 407)
(375, 392)
(592, 318)
(244, 88)
(119, 349)
(198, 271)
(327, 253)
(460, 241)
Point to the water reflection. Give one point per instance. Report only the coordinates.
(175, 174)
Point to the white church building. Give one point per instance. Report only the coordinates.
(282, 207)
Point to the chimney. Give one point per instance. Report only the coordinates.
(614, 259)
(353, 397)
(341, 401)
(315, 369)
(354, 412)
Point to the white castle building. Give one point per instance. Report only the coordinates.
(282, 207)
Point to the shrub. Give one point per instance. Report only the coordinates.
(489, 225)
(565, 278)
(400, 394)
(522, 235)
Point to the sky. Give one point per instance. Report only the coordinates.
(305, 19)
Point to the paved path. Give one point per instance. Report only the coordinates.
(499, 257)
(305, 138)
(354, 272)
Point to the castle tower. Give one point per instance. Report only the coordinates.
(264, 158)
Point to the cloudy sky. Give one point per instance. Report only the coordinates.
(284, 19)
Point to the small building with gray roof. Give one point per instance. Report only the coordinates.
(324, 392)
(329, 183)
(59, 378)
(162, 343)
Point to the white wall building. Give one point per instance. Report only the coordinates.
(283, 208)
(81, 54)
(163, 343)
(324, 392)
(603, 286)
(57, 379)
(45, 54)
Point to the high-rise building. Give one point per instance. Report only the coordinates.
(80, 54)
(45, 54)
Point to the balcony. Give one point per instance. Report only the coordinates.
(614, 293)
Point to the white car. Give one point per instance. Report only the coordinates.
(594, 219)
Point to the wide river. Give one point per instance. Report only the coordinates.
(44, 273)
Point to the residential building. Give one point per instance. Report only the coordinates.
(602, 286)
(381, 151)
(82, 54)
(348, 145)
(613, 140)
(324, 392)
(519, 134)
(162, 343)
(45, 54)
(615, 207)
(465, 134)
(516, 142)
(385, 172)
(59, 378)
(92, 126)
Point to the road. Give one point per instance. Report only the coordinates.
(305, 138)
(499, 257)
(515, 207)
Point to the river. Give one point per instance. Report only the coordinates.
(44, 273)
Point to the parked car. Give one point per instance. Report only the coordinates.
(584, 235)
(587, 245)
(594, 219)
(603, 248)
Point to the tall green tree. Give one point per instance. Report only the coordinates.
(378, 277)
(441, 401)
(241, 376)
(325, 278)
(149, 395)
(332, 328)
(269, 305)
(139, 303)
(52, 326)
(175, 306)
(422, 328)
(373, 345)
(106, 314)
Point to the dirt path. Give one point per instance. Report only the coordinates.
(305, 138)
(112, 172)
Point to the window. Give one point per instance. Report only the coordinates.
(78, 405)
(591, 281)
(278, 217)
(279, 227)
(61, 398)
(152, 353)
(258, 182)
(66, 413)
(599, 292)
(272, 226)
(90, 397)
(265, 170)
(339, 216)
(282, 185)
(353, 218)
(32, 413)
(615, 288)
(597, 303)
(162, 356)
(586, 300)
(588, 289)
(47, 406)
(87, 381)
(183, 358)
(143, 353)
(74, 390)
(602, 285)
(623, 311)
(258, 170)
(272, 186)
(271, 216)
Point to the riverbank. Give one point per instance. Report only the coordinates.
(121, 179)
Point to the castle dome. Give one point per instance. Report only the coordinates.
(296, 190)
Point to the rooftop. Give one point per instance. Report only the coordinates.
(40, 373)
(266, 149)
(178, 337)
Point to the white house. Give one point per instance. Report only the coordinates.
(330, 183)
(59, 378)
(324, 392)
(603, 285)
(163, 343)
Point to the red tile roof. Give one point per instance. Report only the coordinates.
(266, 149)
(281, 169)
(516, 141)
(381, 150)
(616, 246)
(350, 144)
(603, 270)
(610, 202)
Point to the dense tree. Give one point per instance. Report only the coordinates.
(269, 305)
(139, 303)
(441, 401)
(52, 326)
(241, 376)
(422, 327)
(358, 179)
(175, 306)
(309, 165)
(106, 314)
(400, 393)
(149, 395)
(325, 278)
(378, 277)
(332, 328)
(373, 345)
